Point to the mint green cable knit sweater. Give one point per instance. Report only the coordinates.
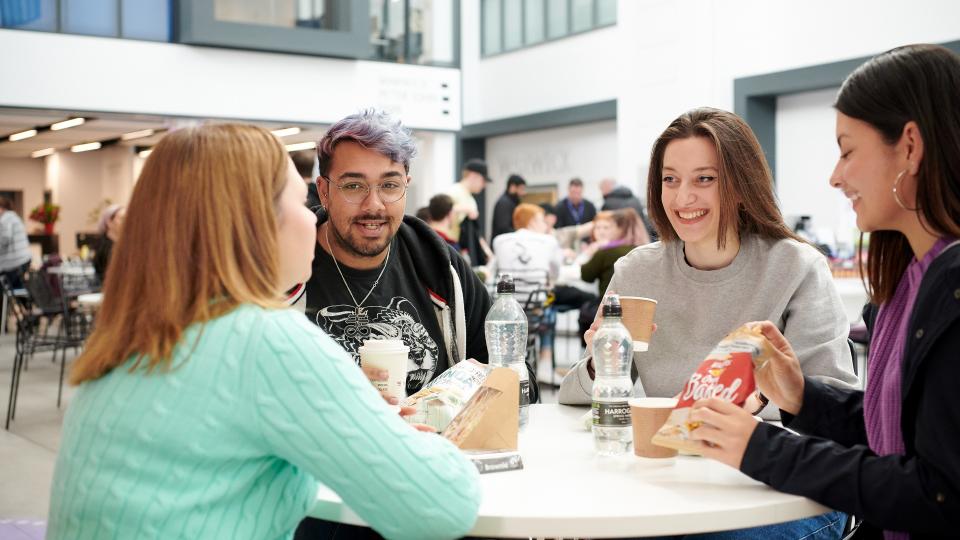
(231, 443)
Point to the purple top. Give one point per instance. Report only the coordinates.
(882, 399)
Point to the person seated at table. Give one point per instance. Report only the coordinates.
(725, 257)
(531, 255)
(109, 226)
(615, 233)
(206, 409)
(889, 455)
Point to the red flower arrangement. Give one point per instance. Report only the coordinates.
(48, 214)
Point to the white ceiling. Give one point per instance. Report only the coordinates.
(102, 127)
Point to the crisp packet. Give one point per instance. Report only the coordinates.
(441, 400)
(726, 373)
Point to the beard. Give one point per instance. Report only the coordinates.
(359, 246)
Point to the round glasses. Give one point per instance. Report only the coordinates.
(355, 192)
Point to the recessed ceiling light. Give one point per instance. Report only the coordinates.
(301, 146)
(136, 134)
(85, 147)
(73, 122)
(42, 153)
(23, 135)
(145, 153)
(286, 132)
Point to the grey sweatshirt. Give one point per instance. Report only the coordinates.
(783, 281)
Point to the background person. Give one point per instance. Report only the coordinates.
(506, 204)
(574, 209)
(233, 407)
(15, 254)
(109, 227)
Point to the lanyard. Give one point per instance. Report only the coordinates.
(577, 212)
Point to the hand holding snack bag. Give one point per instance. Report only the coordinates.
(726, 373)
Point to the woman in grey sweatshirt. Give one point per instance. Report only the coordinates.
(725, 257)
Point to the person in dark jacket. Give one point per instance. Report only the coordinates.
(889, 454)
(506, 204)
(109, 226)
(616, 197)
(574, 209)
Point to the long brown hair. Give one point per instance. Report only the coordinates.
(747, 202)
(918, 83)
(200, 238)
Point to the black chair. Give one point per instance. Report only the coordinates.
(42, 303)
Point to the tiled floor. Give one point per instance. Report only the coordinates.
(28, 450)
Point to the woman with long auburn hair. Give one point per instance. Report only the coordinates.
(725, 257)
(204, 409)
(890, 454)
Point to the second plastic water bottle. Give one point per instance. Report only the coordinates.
(612, 387)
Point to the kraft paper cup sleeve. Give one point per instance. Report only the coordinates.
(648, 415)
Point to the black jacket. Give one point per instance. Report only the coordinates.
(918, 492)
(565, 217)
(503, 215)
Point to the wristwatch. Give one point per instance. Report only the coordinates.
(764, 401)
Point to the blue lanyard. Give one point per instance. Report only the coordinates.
(577, 212)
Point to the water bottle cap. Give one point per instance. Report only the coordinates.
(505, 284)
(611, 306)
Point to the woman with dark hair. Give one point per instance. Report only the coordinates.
(725, 257)
(890, 454)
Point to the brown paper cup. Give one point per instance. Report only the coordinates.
(638, 318)
(648, 415)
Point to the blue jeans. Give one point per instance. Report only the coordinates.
(827, 526)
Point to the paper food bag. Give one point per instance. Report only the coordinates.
(491, 419)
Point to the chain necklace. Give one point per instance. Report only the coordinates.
(354, 322)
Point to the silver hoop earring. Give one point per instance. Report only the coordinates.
(896, 196)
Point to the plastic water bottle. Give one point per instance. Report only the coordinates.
(612, 387)
(505, 330)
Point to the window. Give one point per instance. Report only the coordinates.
(558, 18)
(33, 15)
(533, 21)
(582, 15)
(512, 25)
(491, 27)
(91, 17)
(135, 19)
(508, 25)
(145, 19)
(606, 12)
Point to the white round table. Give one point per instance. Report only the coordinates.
(90, 299)
(565, 490)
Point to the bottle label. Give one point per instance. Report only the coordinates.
(524, 393)
(611, 413)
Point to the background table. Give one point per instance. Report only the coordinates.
(854, 296)
(565, 490)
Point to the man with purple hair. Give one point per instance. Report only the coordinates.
(378, 274)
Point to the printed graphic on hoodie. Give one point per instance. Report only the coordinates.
(399, 319)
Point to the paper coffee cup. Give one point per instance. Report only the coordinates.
(390, 355)
(638, 318)
(648, 415)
